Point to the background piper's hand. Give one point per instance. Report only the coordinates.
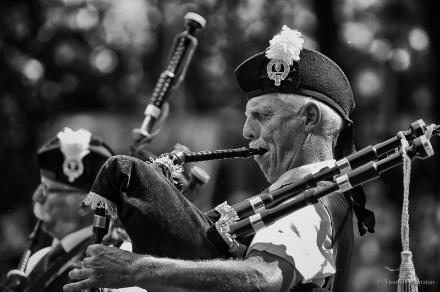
(105, 267)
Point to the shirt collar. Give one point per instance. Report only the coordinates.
(298, 173)
(71, 240)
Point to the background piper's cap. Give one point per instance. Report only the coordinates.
(73, 158)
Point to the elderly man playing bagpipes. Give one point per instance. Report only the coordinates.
(298, 115)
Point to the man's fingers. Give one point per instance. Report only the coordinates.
(86, 262)
(85, 284)
(107, 239)
(94, 249)
(80, 274)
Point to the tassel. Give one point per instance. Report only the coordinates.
(408, 281)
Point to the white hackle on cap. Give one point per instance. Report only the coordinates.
(286, 45)
(74, 145)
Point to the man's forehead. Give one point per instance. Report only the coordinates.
(49, 183)
(263, 101)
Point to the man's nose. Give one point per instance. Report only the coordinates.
(40, 194)
(250, 129)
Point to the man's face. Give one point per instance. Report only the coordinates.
(57, 205)
(274, 125)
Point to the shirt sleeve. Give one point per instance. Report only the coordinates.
(302, 238)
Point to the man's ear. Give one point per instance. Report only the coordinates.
(312, 115)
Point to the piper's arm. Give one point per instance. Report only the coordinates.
(113, 268)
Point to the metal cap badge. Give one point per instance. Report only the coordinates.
(284, 49)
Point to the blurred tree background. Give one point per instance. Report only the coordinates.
(94, 63)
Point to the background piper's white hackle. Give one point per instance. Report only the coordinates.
(408, 281)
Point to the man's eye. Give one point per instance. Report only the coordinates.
(262, 116)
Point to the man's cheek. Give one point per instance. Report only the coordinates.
(269, 164)
(41, 212)
(266, 135)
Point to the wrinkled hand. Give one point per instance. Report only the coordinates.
(105, 266)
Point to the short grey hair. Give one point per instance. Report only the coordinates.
(331, 122)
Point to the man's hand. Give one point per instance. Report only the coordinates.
(105, 266)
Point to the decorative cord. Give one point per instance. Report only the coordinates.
(408, 281)
(404, 227)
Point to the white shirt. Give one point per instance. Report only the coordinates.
(68, 243)
(302, 238)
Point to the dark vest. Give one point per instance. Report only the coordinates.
(52, 277)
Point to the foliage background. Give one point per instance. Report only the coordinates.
(94, 63)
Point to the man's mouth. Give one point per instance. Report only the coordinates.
(262, 157)
(262, 151)
(259, 147)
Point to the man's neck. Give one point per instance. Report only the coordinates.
(312, 155)
(319, 150)
(298, 173)
(74, 238)
(64, 228)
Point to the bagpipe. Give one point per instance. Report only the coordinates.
(246, 217)
(228, 226)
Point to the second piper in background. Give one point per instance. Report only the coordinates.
(68, 165)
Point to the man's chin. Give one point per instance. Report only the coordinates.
(265, 170)
(50, 227)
